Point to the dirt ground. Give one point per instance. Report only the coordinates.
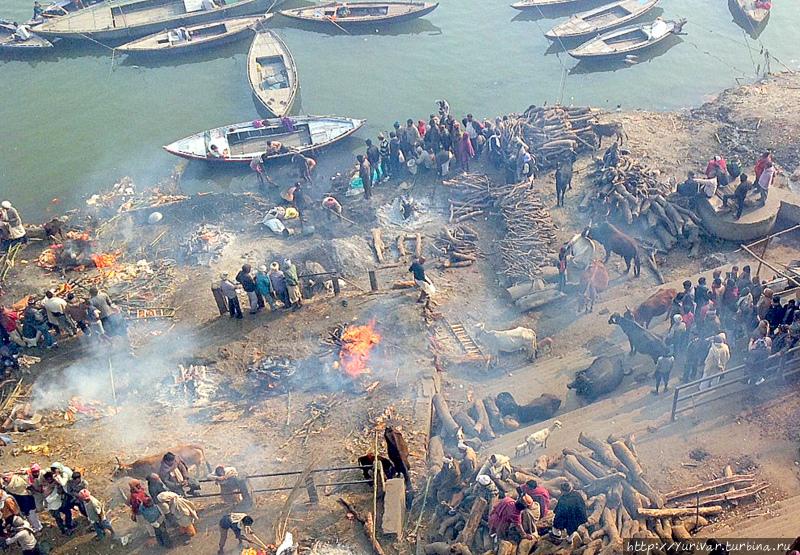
(262, 430)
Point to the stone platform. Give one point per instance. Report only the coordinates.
(756, 221)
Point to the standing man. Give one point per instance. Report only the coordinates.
(663, 369)
(229, 290)
(716, 361)
(292, 284)
(562, 268)
(365, 173)
(16, 229)
(257, 165)
(19, 488)
(245, 278)
(227, 478)
(239, 524)
(424, 283)
(570, 511)
(22, 534)
(56, 313)
(384, 151)
(765, 181)
(96, 513)
(264, 286)
(409, 139)
(374, 159)
(394, 155)
(739, 195)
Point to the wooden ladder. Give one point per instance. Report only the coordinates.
(151, 313)
(471, 348)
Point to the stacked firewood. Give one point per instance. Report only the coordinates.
(525, 247)
(621, 503)
(551, 132)
(632, 194)
(459, 244)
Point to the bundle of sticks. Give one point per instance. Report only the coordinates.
(459, 244)
(525, 247)
(620, 501)
(550, 132)
(631, 193)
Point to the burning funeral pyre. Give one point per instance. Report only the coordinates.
(272, 374)
(355, 344)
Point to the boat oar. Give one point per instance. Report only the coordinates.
(329, 18)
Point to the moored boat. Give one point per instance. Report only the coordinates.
(628, 40)
(195, 37)
(754, 12)
(607, 16)
(241, 142)
(539, 4)
(18, 38)
(118, 20)
(272, 73)
(352, 14)
(58, 8)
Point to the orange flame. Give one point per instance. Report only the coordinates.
(104, 260)
(357, 342)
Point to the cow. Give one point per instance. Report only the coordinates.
(656, 304)
(541, 408)
(640, 339)
(397, 449)
(192, 455)
(593, 282)
(612, 129)
(613, 240)
(367, 462)
(603, 376)
(510, 341)
(564, 177)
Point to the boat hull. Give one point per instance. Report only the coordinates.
(193, 147)
(597, 49)
(270, 44)
(131, 49)
(577, 27)
(59, 27)
(360, 23)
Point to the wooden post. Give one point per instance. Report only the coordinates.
(373, 280)
(763, 254)
(336, 286)
(674, 403)
(467, 534)
(311, 488)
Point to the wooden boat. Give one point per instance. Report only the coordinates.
(353, 14)
(272, 73)
(539, 4)
(118, 20)
(754, 16)
(626, 41)
(601, 19)
(239, 143)
(201, 36)
(9, 43)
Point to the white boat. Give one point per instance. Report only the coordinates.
(240, 142)
(628, 40)
(272, 73)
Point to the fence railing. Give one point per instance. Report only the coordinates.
(776, 367)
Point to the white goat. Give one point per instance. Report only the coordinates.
(539, 439)
(521, 449)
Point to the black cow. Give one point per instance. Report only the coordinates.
(367, 462)
(564, 177)
(640, 339)
(613, 240)
(603, 376)
(541, 408)
(397, 450)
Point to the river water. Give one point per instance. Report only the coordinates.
(75, 120)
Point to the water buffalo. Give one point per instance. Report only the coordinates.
(656, 304)
(640, 339)
(613, 240)
(603, 376)
(541, 408)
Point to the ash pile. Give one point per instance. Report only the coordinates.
(192, 385)
(601, 485)
(205, 244)
(272, 375)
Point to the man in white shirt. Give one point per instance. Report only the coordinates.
(55, 308)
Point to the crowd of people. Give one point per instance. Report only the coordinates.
(273, 285)
(737, 314)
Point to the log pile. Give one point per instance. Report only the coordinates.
(621, 503)
(526, 246)
(459, 244)
(551, 132)
(632, 194)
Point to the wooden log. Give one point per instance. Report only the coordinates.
(368, 523)
(593, 547)
(679, 511)
(588, 463)
(609, 522)
(666, 525)
(406, 284)
(539, 299)
(643, 486)
(540, 465)
(476, 513)
(377, 244)
(597, 510)
(446, 523)
(401, 244)
(658, 528)
(603, 484)
(576, 468)
(525, 546)
(445, 417)
(713, 484)
(680, 533)
(467, 424)
(418, 245)
(460, 264)
(627, 458)
(692, 523)
(602, 451)
(495, 418)
(725, 496)
(583, 532)
(478, 411)
(463, 257)
(631, 499)
(506, 548)
(435, 455)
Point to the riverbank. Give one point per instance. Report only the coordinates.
(273, 423)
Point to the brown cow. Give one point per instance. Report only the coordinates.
(656, 304)
(192, 455)
(613, 240)
(593, 281)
